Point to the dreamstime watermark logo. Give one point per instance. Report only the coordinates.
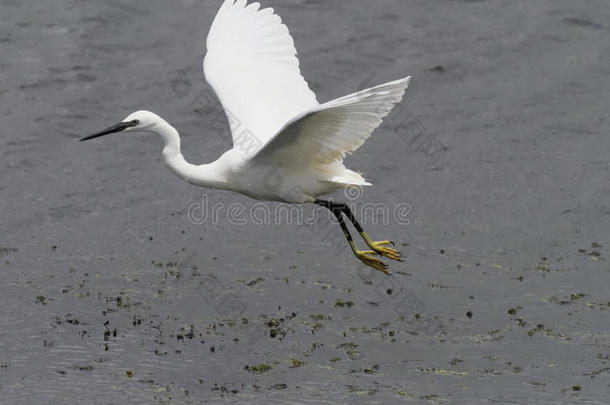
(204, 211)
(353, 193)
(411, 130)
(205, 102)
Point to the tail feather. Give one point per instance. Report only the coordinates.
(349, 181)
(338, 174)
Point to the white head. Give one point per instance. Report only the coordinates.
(138, 121)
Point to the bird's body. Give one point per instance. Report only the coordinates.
(266, 183)
(286, 145)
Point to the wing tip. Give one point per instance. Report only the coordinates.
(405, 80)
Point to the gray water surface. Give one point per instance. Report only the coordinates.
(498, 160)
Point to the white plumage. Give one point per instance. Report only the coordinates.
(299, 144)
(252, 66)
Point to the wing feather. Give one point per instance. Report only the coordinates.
(327, 133)
(252, 66)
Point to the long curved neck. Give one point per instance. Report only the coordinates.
(204, 175)
(171, 139)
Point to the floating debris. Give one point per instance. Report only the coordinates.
(343, 304)
(259, 369)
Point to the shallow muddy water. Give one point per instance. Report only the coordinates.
(120, 284)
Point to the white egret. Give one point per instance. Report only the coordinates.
(251, 63)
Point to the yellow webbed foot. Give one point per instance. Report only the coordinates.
(367, 258)
(382, 248)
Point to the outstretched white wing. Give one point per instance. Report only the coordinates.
(328, 132)
(252, 66)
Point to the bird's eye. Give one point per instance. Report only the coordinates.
(135, 123)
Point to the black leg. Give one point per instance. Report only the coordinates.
(337, 213)
(339, 217)
(365, 256)
(336, 210)
(342, 208)
(348, 212)
(381, 248)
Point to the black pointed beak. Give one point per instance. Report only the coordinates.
(121, 126)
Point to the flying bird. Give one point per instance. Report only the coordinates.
(287, 146)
